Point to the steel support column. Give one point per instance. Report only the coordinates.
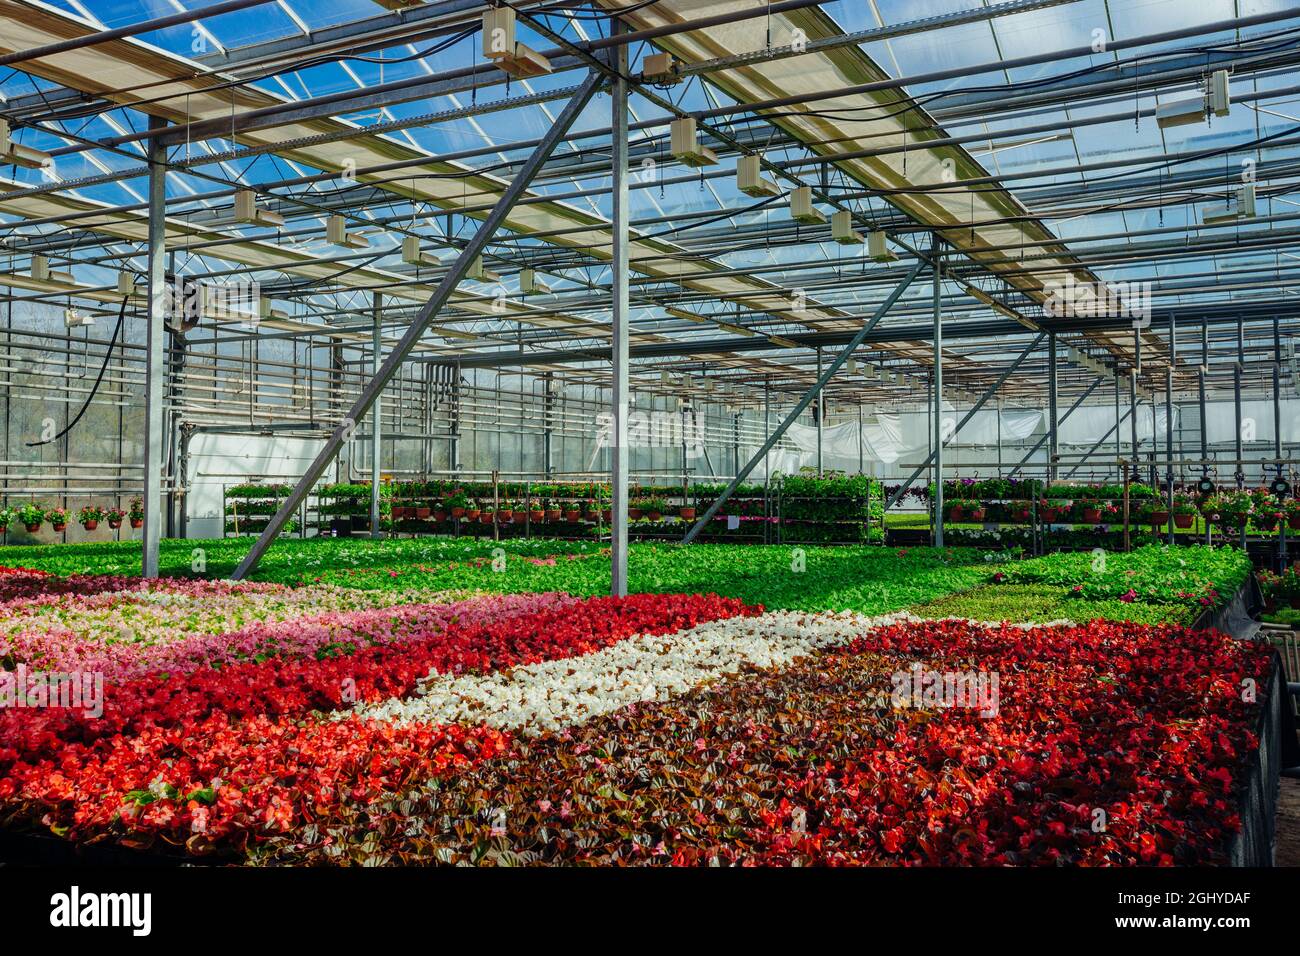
(455, 274)
(621, 216)
(376, 419)
(1053, 445)
(936, 442)
(1169, 419)
(155, 359)
(804, 401)
(1240, 473)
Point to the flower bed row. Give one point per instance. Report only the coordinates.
(1110, 744)
(654, 728)
(218, 756)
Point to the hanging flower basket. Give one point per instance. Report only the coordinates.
(1184, 520)
(572, 515)
(1092, 516)
(686, 514)
(485, 517)
(1159, 518)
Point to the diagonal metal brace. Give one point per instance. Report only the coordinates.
(806, 400)
(1070, 411)
(509, 197)
(989, 393)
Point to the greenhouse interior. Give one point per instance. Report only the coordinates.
(698, 433)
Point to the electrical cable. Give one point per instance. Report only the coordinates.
(108, 354)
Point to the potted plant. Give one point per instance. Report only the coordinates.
(90, 517)
(457, 503)
(135, 513)
(1157, 513)
(1184, 511)
(1049, 510)
(32, 516)
(573, 512)
(1020, 510)
(686, 512)
(473, 509)
(958, 508)
(505, 511)
(653, 509)
(634, 509)
(536, 512)
(975, 511)
(1230, 509)
(6, 516)
(1090, 512)
(1292, 510)
(1268, 517)
(114, 516)
(552, 510)
(58, 518)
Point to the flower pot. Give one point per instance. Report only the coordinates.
(1159, 518)
(137, 522)
(60, 527)
(976, 515)
(589, 516)
(458, 512)
(633, 513)
(572, 515)
(956, 514)
(400, 512)
(485, 517)
(1184, 521)
(552, 515)
(90, 525)
(1021, 514)
(471, 514)
(607, 515)
(505, 514)
(1050, 514)
(535, 516)
(686, 514)
(32, 528)
(654, 515)
(441, 516)
(1092, 516)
